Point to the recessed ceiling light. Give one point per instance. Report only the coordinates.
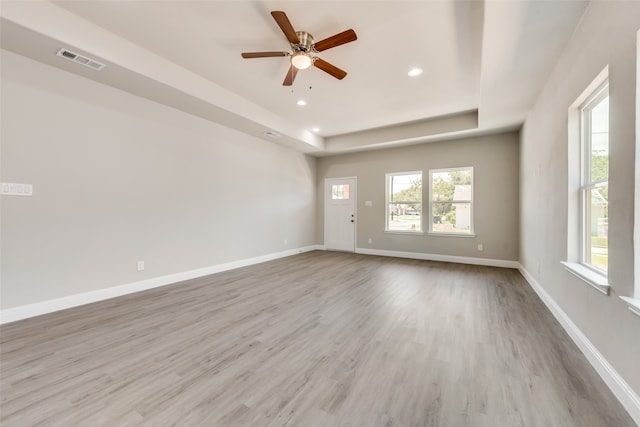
(415, 72)
(302, 103)
(316, 129)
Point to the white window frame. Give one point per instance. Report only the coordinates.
(388, 203)
(586, 183)
(576, 220)
(471, 232)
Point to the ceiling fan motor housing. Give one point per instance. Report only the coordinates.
(306, 42)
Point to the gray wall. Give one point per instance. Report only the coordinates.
(119, 179)
(495, 162)
(606, 35)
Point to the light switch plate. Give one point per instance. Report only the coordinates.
(16, 189)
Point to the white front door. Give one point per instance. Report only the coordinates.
(340, 214)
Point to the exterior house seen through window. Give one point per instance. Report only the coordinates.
(404, 202)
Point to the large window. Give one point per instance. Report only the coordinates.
(594, 180)
(451, 201)
(404, 202)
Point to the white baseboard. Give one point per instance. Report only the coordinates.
(36, 309)
(614, 381)
(444, 258)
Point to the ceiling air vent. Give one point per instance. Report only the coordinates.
(83, 60)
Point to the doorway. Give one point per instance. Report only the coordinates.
(340, 214)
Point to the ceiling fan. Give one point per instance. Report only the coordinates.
(303, 48)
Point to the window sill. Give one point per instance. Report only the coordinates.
(590, 277)
(410, 233)
(431, 233)
(634, 304)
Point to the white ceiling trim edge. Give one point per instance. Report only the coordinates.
(409, 132)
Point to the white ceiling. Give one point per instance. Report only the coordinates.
(484, 62)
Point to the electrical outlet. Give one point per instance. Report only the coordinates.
(140, 265)
(370, 241)
(286, 242)
(480, 247)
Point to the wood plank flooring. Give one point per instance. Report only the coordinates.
(317, 339)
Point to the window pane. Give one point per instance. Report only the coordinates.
(451, 198)
(404, 202)
(597, 245)
(405, 188)
(600, 141)
(405, 217)
(340, 191)
(451, 185)
(451, 217)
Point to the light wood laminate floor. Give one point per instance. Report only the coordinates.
(317, 339)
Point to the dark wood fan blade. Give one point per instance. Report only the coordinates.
(290, 77)
(333, 41)
(285, 26)
(329, 68)
(263, 54)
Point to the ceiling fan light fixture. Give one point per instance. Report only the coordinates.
(301, 60)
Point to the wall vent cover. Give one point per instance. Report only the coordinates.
(82, 60)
